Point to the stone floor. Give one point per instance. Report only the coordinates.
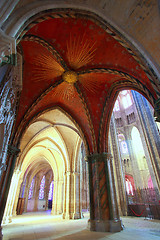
(43, 226)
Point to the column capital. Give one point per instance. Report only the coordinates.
(8, 49)
(99, 157)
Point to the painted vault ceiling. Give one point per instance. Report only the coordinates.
(78, 66)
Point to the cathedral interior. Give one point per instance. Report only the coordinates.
(80, 111)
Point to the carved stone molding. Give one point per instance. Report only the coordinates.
(9, 96)
(98, 157)
(7, 49)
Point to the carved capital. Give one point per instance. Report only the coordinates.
(99, 157)
(7, 49)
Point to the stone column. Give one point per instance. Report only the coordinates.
(60, 197)
(66, 201)
(121, 190)
(7, 218)
(54, 201)
(135, 168)
(77, 197)
(26, 192)
(12, 156)
(104, 215)
(72, 204)
(36, 193)
(57, 203)
(9, 97)
(151, 135)
(46, 191)
(17, 195)
(84, 184)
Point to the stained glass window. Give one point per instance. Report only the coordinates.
(41, 190)
(50, 195)
(124, 147)
(30, 194)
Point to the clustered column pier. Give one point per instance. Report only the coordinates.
(104, 216)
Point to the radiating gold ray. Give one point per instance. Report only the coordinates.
(65, 91)
(46, 67)
(80, 51)
(90, 83)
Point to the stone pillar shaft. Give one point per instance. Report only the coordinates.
(60, 197)
(151, 135)
(103, 206)
(11, 197)
(72, 200)
(36, 193)
(54, 201)
(118, 167)
(6, 184)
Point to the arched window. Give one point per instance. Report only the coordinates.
(138, 149)
(50, 195)
(41, 190)
(124, 147)
(30, 194)
(123, 144)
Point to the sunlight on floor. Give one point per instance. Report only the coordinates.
(43, 226)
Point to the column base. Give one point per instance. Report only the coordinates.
(78, 215)
(72, 216)
(56, 213)
(7, 220)
(105, 226)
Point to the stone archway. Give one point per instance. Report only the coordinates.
(91, 114)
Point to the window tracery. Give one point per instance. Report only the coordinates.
(30, 194)
(50, 195)
(41, 190)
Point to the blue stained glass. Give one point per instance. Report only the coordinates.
(31, 190)
(41, 190)
(124, 147)
(50, 195)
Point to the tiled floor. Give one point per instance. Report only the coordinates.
(43, 226)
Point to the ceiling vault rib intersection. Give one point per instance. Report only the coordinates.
(105, 25)
(87, 67)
